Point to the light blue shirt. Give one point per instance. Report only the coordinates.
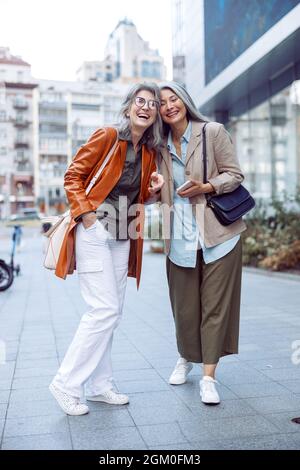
(185, 236)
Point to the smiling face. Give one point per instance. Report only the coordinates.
(172, 108)
(143, 111)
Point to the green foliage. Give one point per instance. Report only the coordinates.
(272, 232)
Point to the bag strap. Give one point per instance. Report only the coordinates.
(204, 153)
(106, 160)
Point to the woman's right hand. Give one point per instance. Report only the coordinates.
(88, 219)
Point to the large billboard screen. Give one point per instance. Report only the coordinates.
(231, 26)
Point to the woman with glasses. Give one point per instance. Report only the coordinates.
(204, 258)
(108, 223)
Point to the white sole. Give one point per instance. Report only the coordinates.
(65, 410)
(210, 402)
(177, 383)
(100, 400)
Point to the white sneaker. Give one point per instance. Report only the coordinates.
(179, 374)
(70, 405)
(208, 392)
(111, 397)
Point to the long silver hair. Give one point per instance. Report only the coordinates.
(153, 135)
(192, 112)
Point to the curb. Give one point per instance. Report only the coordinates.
(279, 275)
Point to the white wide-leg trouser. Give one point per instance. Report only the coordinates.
(102, 265)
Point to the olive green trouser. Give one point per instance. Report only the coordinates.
(206, 306)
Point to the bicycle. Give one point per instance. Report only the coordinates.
(8, 271)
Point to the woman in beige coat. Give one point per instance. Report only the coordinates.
(204, 258)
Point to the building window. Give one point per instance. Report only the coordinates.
(267, 141)
(2, 93)
(20, 189)
(20, 155)
(150, 69)
(20, 76)
(108, 77)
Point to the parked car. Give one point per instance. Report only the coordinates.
(28, 213)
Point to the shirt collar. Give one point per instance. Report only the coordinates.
(127, 137)
(186, 136)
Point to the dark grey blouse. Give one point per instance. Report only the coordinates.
(113, 212)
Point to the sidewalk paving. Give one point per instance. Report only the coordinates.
(260, 388)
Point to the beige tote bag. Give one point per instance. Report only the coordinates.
(60, 224)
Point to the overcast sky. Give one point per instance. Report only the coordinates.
(56, 36)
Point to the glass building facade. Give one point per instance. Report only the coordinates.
(241, 65)
(267, 142)
(231, 26)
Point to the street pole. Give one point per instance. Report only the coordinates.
(46, 187)
(8, 193)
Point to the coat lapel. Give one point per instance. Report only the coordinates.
(195, 140)
(167, 159)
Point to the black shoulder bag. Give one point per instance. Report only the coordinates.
(227, 207)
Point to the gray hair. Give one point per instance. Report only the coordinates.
(192, 111)
(153, 135)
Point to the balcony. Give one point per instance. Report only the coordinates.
(24, 177)
(21, 143)
(18, 198)
(23, 168)
(57, 105)
(53, 119)
(21, 123)
(20, 104)
(48, 150)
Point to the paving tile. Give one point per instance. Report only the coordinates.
(140, 386)
(134, 375)
(35, 372)
(291, 385)
(26, 408)
(31, 382)
(35, 425)
(287, 402)
(3, 409)
(23, 364)
(160, 414)
(226, 409)
(124, 438)
(102, 416)
(184, 446)
(280, 375)
(256, 390)
(4, 396)
(30, 394)
(2, 422)
(259, 387)
(151, 399)
(162, 434)
(283, 420)
(57, 441)
(272, 442)
(240, 427)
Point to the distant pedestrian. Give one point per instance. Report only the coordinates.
(107, 248)
(18, 232)
(204, 258)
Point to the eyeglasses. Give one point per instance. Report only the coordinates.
(140, 103)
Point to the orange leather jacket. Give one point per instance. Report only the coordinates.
(84, 166)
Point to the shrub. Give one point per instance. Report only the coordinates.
(287, 257)
(273, 234)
